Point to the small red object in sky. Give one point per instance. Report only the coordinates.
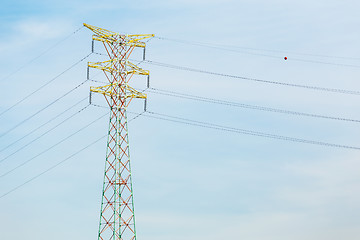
(285, 58)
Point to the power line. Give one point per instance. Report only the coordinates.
(335, 90)
(52, 119)
(33, 115)
(220, 47)
(44, 85)
(242, 105)
(56, 144)
(59, 163)
(51, 168)
(326, 63)
(43, 134)
(43, 53)
(236, 49)
(243, 131)
(193, 123)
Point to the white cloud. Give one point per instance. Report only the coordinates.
(37, 29)
(32, 31)
(260, 198)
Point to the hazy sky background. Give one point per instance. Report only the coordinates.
(189, 182)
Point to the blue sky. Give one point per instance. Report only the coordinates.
(189, 182)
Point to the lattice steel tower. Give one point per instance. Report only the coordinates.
(117, 220)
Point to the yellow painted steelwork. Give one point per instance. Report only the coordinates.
(117, 218)
(136, 70)
(108, 90)
(104, 35)
(108, 67)
(112, 65)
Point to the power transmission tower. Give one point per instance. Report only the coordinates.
(117, 219)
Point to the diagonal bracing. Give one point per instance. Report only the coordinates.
(117, 219)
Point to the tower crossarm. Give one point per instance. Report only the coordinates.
(102, 34)
(135, 39)
(132, 93)
(109, 90)
(108, 66)
(117, 218)
(133, 69)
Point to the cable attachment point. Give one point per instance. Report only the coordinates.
(90, 95)
(145, 104)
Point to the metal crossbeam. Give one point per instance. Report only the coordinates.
(117, 220)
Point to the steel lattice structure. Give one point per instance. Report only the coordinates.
(117, 219)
